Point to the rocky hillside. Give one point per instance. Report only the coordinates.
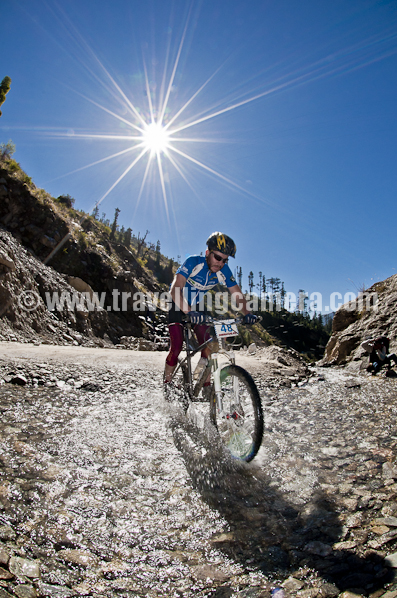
(374, 315)
(49, 247)
(36, 229)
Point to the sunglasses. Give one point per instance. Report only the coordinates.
(220, 259)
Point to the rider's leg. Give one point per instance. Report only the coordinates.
(203, 333)
(176, 341)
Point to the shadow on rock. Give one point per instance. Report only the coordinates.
(266, 531)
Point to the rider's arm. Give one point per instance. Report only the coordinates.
(176, 291)
(240, 300)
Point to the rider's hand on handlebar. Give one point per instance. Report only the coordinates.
(250, 319)
(196, 317)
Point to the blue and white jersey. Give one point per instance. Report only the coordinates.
(199, 278)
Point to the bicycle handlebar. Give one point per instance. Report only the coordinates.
(211, 320)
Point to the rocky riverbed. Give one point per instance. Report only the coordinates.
(103, 492)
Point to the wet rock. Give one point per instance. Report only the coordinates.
(6, 532)
(390, 521)
(20, 380)
(23, 567)
(318, 548)
(205, 572)
(391, 560)
(25, 591)
(4, 574)
(78, 557)
(4, 556)
(90, 386)
(293, 585)
(53, 591)
(389, 471)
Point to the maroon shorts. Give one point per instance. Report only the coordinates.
(202, 332)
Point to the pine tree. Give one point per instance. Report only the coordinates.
(95, 212)
(127, 237)
(283, 293)
(114, 224)
(264, 287)
(158, 254)
(240, 276)
(251, 281)
(259, 285)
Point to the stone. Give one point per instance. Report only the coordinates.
(6, 532)
(4, 574)
(23, 567)
(4, 594)
(391, 560)
(380, 529)
(292, 585)
(318, 548)
(390, 521)
(328, 590)
(6, 261)
(19, 380)
(78, 557)
(389, 471)
(347, 545)
(204, 572)
(25, 591)
(53, 591)
(4, 556)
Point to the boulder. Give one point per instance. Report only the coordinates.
(372, 314)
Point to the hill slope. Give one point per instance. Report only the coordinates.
(36, 228)
(374, 316)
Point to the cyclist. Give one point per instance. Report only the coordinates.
(192, 281)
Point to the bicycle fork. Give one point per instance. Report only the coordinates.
(235, 413)
(216, 377)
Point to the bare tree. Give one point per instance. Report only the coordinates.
(141, 242)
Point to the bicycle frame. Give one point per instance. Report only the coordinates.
(213, 365)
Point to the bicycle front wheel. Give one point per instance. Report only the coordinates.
(240, 423)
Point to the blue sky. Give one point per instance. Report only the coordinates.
(295, 152)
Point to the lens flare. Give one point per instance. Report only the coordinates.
(155, 138)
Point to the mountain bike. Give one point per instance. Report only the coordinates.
(235, 407)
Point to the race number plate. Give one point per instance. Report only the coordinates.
(226, 328)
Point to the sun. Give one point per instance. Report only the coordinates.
(155, 138)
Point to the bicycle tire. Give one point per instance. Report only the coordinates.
(240, 427)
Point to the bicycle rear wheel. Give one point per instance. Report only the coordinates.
(240, 425)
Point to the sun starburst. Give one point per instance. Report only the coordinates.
(155, 138)
(158, 131)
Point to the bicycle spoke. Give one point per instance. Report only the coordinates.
(240, 425)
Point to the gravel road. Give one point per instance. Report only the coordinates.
(105, 492)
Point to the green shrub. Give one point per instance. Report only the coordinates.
(7, 150)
